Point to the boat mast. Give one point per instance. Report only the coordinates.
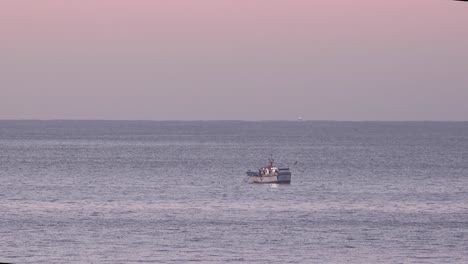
(271, 160)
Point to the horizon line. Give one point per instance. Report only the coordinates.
(227, 120)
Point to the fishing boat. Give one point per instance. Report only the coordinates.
(270, 174)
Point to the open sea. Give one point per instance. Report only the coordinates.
(176, 192)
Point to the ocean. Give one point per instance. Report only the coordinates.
(176, 192)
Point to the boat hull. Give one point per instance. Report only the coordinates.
(284, 176)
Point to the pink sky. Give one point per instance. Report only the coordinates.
(220, 59)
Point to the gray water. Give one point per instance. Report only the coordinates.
(175, 192)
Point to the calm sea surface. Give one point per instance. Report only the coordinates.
(175, 192)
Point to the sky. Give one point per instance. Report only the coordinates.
(234, 60)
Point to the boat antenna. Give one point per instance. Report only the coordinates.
(271, 160)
